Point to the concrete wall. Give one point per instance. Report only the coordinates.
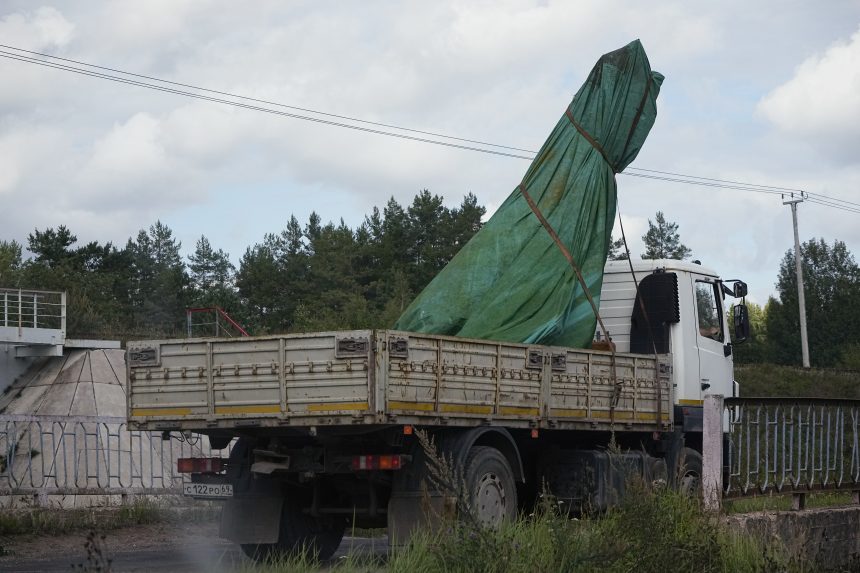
(10, 367)
(827, 537)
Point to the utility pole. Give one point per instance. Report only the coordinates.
(801, 299)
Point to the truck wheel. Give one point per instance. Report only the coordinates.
(490, 486)
(690, 473)
(319, 536)
(239, 465)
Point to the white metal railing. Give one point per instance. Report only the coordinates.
(21, 309)
(91, 455)
(761, 446)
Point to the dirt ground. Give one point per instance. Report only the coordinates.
(155, 547)
(160, 547)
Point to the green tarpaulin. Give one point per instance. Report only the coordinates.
(511, 281)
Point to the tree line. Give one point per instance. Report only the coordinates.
(316, 276)
(831, 280)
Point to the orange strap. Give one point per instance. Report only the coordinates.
(589, 139)
(566, 253)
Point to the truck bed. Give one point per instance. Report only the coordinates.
(389, 377)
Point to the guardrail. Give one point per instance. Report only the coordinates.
(44, 456)
(32, 309)
(761, 446)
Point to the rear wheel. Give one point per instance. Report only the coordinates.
(491, 486)
(690, 473)
(319, 536)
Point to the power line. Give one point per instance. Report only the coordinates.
(72, 69)
(770, 187)
(847, 209)
(817, 198)
(825, 197)
(267, 102)
(703, 183)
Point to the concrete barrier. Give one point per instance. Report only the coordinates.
(829, 538)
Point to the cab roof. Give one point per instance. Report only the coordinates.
(650, 265)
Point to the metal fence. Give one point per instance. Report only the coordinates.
(91, 455)
(32, 309)
(775, 445)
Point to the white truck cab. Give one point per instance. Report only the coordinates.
(685, 305)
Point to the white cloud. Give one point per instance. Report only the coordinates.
(22, 154)
(9, 169)
(822, 101)
(107, 159)
(43, 28)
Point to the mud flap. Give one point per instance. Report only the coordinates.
(410, 511)
(254, 519)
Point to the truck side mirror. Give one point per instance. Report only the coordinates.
(740, 290)
(741, 319)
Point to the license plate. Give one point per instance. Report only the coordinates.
(208, 490)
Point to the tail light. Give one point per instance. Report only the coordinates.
(200, 465)
(383, 462)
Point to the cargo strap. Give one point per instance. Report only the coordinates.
(590, 139)
(633, 126)
(618, 385)
(566, 253)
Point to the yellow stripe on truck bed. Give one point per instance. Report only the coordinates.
(569, 412)
(260, 409)
(161, 411)
(518, 410)
(333, 407)
(466, 409)
(419, 406)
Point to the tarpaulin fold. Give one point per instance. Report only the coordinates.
(510, 282)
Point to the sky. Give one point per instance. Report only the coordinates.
(762, 92)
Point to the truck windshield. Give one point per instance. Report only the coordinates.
(708, 309)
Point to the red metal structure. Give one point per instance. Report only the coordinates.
(222, 324)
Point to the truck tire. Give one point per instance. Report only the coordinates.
(690, 473)
(490, 486)
(239, 465)
(319, 536)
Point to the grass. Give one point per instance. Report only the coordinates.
(760, 380)
(653, 528)
(49, 521)
(649, 530)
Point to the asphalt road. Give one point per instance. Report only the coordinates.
(191, 556)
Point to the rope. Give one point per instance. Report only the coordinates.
(647, 324)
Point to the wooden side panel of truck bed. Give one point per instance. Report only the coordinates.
(390, 377)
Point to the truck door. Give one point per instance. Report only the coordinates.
(715, 368)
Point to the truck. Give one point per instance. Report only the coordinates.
(323, 426)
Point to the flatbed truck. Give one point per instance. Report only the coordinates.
(322, 425)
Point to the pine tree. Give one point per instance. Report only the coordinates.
(259, 283)
(831, 279)
(51, 247)
(209, 268)
(212, 277)
(662, 240)
(617, 252)
(159, 281)
(10, 262)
